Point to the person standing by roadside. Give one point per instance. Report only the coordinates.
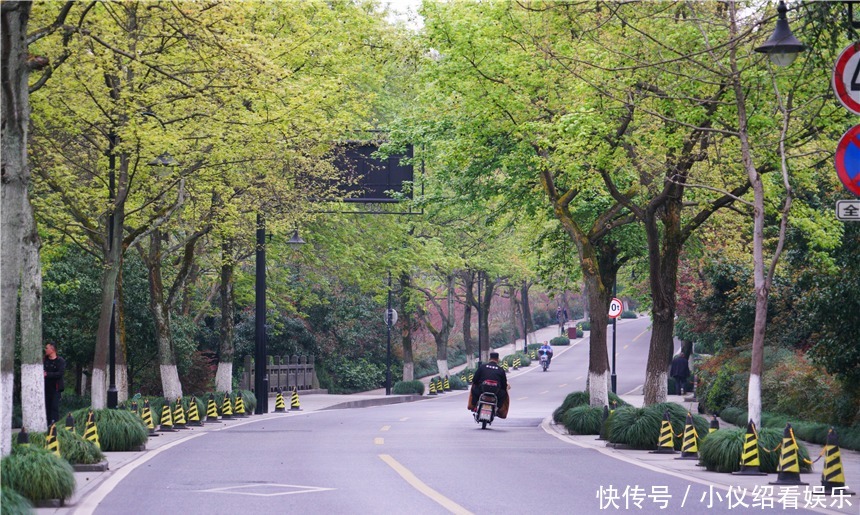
(55, 368)
(680, 371)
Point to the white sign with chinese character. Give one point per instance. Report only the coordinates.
(848, 210)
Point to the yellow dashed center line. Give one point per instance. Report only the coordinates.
(422, 487)
(404, 419)
(543, 392)
(379, 441)
(385, 428)
(640, 334)
(522, 398)
(562, 385)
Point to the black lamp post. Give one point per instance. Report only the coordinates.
(781, 47)
(112, 394)
(261, 380)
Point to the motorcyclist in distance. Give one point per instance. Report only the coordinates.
(546, 348)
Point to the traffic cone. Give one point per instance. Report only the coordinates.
(689, 446)
(715, 425)
(505, 366)
(432, 388)
(294, 400)
(146, 415)
(471, 376)
(280, 405)
(463, 377)
(440, 386)
(70, 422)
(211, 410)
(166, 425)
(788, 470)
(179, 415)
(516, 363)
(134, 406)
(194, 413)
(749, 457)
(91, 432)
(51, 441)
(24, 437)
(447, 384)
(833, 476)
(239, 410)
(665, 445)
(227, 408)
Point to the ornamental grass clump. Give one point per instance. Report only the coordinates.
(119, 430)
(37, 474)
(638, 428)
(408, 387)
(571, 401)
(13, 503)
(583, 420)
(457, 383)
(721, 451)
(73, 447)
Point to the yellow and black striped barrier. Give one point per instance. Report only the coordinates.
(665, 444)
(227, 408)
(833, 476)
(280, 405)
(471, 377)
(211, 410)
(51, 441)
(517, 363)
(689, 445)
(431, 388)
(750, 463)
(294, 400)
(239, 409)
(440, 386)
(788, 470)
(146, 416)
(179, 415)
(194, 413)
(91, 431)
(447, 384)
(166, 424)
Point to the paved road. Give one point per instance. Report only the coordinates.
(422, 457)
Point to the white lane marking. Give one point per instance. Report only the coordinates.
(404, 419)
(562, 385)
(91, 501)
(304, 490)
(543, 392)
(522, 398)
(422, 487)
(634, 390)
(385, 428)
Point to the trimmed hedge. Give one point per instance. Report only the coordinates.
(629, 314)
(560, 341)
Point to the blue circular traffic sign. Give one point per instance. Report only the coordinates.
(848, 160)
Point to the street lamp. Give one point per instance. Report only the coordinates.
(261, 380)
(781, 47)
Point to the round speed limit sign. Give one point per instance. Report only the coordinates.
(615, 308)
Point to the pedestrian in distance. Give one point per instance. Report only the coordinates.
(680, 371)
(559, 316)
(54, 367)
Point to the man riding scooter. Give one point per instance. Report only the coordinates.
(491, 372)
(546, 349)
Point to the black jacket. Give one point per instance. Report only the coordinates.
(54, 369)
(493, 372)
(680, 368)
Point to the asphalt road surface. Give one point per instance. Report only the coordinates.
(423, 457)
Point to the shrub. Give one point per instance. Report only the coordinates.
(794, 387)
(73, 447)
(525, 361)
(559, 340)
(629, 314)
(585, 325)
(721, 450)
(457, 383)
(732, 416)
(119, 430)
(408, 387)
(37, 474)
(639, 428)
(583, 420)
(571, 401)
(13, 503)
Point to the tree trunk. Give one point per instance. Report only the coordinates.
(468, 342)
(170, 384)
(224, 374)
(32, 376)
(514, 311)
(484, 314)
(406, 322)
(15, 111)
(527, 310)
(122, 384)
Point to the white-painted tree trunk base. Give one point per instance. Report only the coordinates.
(7, 383)
(33, 415)
(442, 365)
(84, 384)
(598, 389)
(408, 371)
(470, 362)
(224, 377)
(170, 382)
(99, 392)
(754, 399)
